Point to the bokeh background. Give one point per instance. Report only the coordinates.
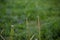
(19, 19)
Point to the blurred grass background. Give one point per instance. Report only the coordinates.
(14, 13)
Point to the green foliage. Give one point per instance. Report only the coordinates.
(15, 12)
(50, 30)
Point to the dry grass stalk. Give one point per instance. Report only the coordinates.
(32, 37)
(1, 35)
(39, 28)
(27, 27)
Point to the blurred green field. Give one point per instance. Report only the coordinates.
(14, 26)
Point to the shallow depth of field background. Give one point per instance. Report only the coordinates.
(19, 19)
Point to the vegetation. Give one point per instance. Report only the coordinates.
(19, 19)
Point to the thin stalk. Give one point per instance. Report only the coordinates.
(39, 28)
(38, 20)
(2, 31)
(1, 35)
(28, 33)
(32, 37)
(12, 32)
